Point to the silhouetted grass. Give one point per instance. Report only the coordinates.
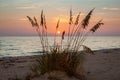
(59, 57)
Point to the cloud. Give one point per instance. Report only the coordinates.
(22, 19)
(61, 9)
(27, 7)
(101, 13)
(3, 5)
(82, 14)
(62, 20)
(112, 9)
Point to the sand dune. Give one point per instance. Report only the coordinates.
(104, 65)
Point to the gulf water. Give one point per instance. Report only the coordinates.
(24, 46)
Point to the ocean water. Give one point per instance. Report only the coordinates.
(24, 46)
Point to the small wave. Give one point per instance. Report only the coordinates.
(95, 41)
(10, 45)
(12, 49)
(1, 55)
(37, 52)
(5, 45)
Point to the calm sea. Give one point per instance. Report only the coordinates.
(23, 46)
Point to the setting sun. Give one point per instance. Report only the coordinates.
(58, 32)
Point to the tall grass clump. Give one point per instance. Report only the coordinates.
(65, 57)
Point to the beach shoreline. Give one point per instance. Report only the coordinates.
(101, 66)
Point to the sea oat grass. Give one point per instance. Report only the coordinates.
(58, 57)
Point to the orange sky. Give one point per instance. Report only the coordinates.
(13, 14)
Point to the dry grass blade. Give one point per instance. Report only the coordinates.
(36, 23)
(63, 35)
(42, 18)
(87, 49)
(45, 22)
(77, 19)
(32, 22)
(96, 26)
(58, 24)
(70, 21)
(85, 21)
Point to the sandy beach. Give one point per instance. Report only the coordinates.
(104, 65)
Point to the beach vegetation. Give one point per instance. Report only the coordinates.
(66, 57)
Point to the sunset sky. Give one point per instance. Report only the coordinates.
(13, 14)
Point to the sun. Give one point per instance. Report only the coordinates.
(58, 32)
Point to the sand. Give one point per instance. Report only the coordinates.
(104, 65)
